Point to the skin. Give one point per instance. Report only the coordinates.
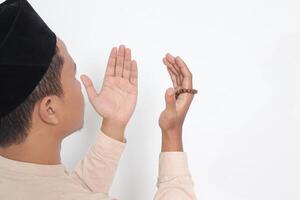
(172, 118)
(55, 118)
(117, 98)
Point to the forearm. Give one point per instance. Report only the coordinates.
(174, 180)
(97, 169)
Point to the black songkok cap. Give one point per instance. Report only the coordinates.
(27, 46)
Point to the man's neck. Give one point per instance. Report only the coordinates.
(38, 152)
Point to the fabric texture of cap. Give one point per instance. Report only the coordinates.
(27, 46)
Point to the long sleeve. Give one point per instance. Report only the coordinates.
(97, 169)
(174, 181)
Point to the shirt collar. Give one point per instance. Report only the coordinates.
(32, 168)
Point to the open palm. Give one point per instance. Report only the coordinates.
(118, 95)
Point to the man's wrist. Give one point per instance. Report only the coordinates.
(113, 129)
(171, 145)
(172, 141)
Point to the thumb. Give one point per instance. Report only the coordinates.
(89, 87)
(170, 99)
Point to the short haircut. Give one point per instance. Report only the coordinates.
(15, 125)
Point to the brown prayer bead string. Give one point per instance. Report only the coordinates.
(185, 90)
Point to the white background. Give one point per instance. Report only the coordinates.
(242, 132)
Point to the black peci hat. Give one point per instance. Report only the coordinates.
(27, 46)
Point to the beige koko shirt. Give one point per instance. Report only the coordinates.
(92, 178)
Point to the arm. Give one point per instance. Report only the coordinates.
(97, 169)
(174, 179)
(115, 103)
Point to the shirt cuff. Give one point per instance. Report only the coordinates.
(172, 164)
(109, 146)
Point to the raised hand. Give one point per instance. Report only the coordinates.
(117, 98)
(172, 118)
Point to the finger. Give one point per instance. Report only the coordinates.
(170, 100)
(170, 68)
(89, 87)
(120, 60)
(127, 64)
(172, 75)
(134, 73)
(171, 59)
(111, 64)
(187, 75)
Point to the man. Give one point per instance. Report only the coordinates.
(42, 103)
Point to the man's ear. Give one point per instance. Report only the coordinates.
(47, 109)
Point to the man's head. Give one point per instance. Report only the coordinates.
(53, 110)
